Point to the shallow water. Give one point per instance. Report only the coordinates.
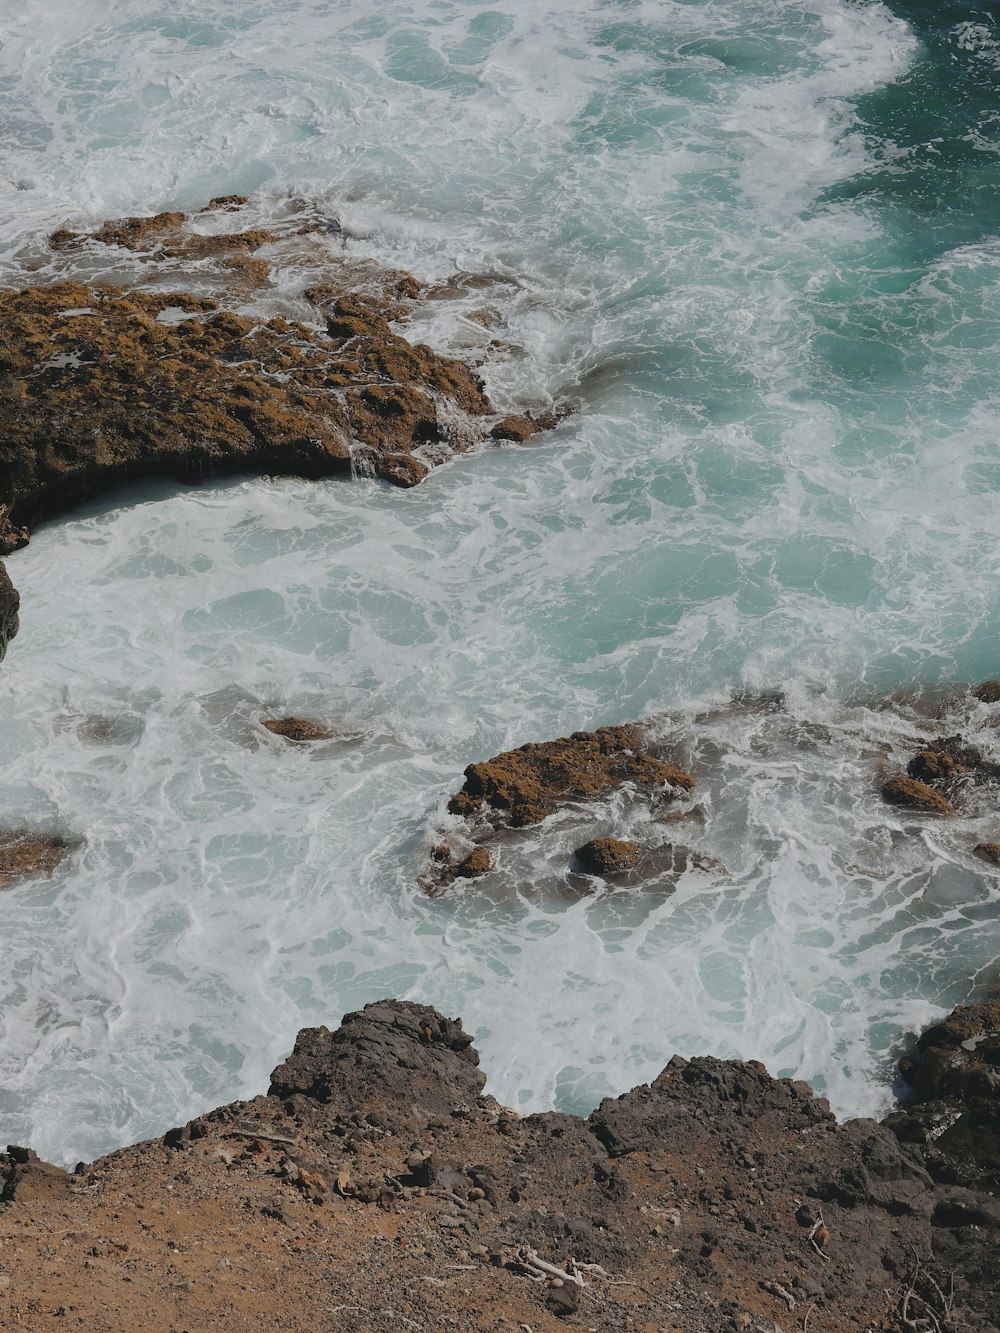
(755, 247)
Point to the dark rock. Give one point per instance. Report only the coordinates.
(527, 784)
(607, 856)
(297, 729)
(988, 692)
(404, 1060)
(989, 851)
(914, 795)
(228, 202)
(9, 604)
(955, 1110)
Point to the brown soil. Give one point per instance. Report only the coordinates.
(524, 786)
(376, 1188)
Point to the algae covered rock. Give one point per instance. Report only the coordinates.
(607, 856)
(915, 795)
(525, 785)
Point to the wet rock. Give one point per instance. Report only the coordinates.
(515, 428)
(98, 389)
(227, 202)
(9, 604)
(476, 863)
(297, 729)
(607, 856)
(914, 795)
(988, 692)
(524, 786)
(27, 855)
(989, 851)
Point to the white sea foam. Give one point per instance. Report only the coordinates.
(779, 476)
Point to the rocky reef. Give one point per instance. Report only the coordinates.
(376, 1187)
(100, 385)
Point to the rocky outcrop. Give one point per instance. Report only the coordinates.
(378, 1182)
(524, 786)
(99, 386)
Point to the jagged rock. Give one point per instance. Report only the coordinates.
(525, 785)
(914, 795)
(988, 692)
(607, 856)
(397, 1058)
(956, 1085)
(297, 729)
(9, 604)
(26, 855)
(229, 203)
(29, 1180)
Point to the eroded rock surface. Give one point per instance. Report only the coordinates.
(524, 786)
(377, 1181)
(915, 795)
(9, 605)
(608, 856)
(298, 729)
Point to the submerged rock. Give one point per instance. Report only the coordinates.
(297, 729)
(607, 856)
(526, 785)
(26, 855)
(914, 795)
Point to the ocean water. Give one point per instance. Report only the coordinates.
(754, 246)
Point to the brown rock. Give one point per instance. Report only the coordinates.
(607, 856)
(529, 783)
(514, 428)
(24, 855)
(915, 795)
(137, 233)
(930, 766)
(988, 692)
(989, 851)
(90, 399)
(297, 729)
(476, 863)
(228, 202)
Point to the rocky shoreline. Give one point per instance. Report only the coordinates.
(376, 1187)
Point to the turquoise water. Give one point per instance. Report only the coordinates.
(755, 247)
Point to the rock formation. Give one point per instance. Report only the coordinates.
(523, 786)
(376, 1187)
